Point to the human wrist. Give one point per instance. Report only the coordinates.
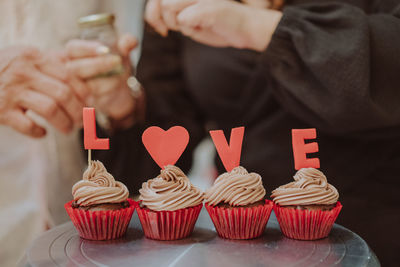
(262, 25)
(134, 108)
(122, 117)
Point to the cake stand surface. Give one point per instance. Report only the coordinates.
(62, 246)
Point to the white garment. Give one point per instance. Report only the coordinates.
(36, 175)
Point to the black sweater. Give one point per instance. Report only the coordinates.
(331, 65)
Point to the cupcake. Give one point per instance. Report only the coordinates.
(101, 209)
(237, 206)
(306, 208)
(169, 205)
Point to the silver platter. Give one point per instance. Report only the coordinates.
(62, 246)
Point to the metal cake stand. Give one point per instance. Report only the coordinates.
(62, 246)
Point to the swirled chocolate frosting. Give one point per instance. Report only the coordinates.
(171, 190)
(237, 188)
(310, 187)
(98, 187)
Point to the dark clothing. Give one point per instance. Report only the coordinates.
(331, 65)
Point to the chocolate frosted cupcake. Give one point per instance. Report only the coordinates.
(101, 209)
(98, 190)
(169, 205)
(237, 206)
(306, 208)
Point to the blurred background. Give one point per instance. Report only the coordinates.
(268, 65)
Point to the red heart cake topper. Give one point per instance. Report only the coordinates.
(301, 149)
(165, 147)
(229, 154)
(90, 139)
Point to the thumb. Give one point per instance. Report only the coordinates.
(152, 15)
(192, 16)
(197, 16)
(22, 123)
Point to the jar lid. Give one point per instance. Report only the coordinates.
(96, 20)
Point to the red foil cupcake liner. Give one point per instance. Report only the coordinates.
(240, 222)
(101, 225)
(306, 224)
(168, 225)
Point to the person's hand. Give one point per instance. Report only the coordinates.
(53, 63)
(220, 23)
(225, 23)
(272, 4)
(161, 14)
(111, 95)
(24, 86)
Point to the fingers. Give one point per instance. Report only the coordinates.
(104, 86)
(30, 52)
(258, 3)
(190, 21)
(162, 14)
(52, 63)
(126, 44)
(84, 48)
(168, 14)
(112, 96)
(152, 16)
(89, 67)
(45, 107)
(52, 80)
(62, 94)
(194, 16)
(20, 122)
(79, 87)
(171, 8)
(103, 92)
(197, 21)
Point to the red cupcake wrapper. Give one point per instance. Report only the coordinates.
(240, 222)
(101, 225)
(306, 224)
(168, 225)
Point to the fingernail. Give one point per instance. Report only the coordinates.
(102, 50)
(164, 32)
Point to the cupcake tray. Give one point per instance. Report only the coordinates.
(62, 246)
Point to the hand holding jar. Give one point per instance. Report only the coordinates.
(32, 80)
(101, 60)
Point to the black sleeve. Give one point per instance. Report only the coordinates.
(337, 68)
(167, 104)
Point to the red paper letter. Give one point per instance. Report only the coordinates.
(229, 154)
(165, 147)
(300, 148)
(89, 131)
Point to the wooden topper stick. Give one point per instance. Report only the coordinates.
(89, 156)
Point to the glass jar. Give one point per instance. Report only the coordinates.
(100, 27)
